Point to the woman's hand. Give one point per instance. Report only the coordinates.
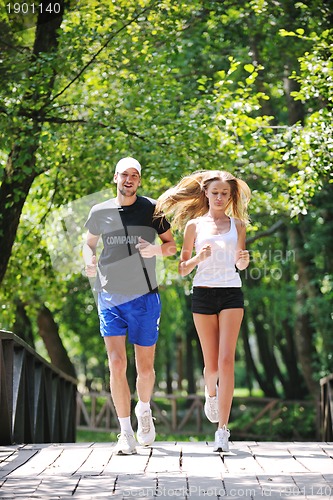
(204, 252)
(243, 259)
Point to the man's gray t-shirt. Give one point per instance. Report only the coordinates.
(121, 269)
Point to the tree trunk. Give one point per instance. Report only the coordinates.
(49, 332)
(20, 170)
(168, 368)
(266, 357)
(14, 190)
(190, 336)
(22, 326)
(304, 330)
(295, 387)
(251, 369)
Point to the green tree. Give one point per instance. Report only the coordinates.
(180, 86)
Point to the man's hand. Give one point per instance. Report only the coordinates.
(91, 268)
(146, 249)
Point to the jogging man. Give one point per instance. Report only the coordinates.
(128, 298)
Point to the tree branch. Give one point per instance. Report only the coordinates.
(263, 234)
(55, 119)
(94, 57)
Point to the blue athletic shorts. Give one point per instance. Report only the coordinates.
(139, 318)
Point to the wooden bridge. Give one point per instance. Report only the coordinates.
(251, 470)
(37, 405)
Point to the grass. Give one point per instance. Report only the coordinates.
(83, 436)
(243, 392)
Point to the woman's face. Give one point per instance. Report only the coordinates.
(218, 194)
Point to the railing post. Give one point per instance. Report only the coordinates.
(37, 400)
(6, 390)
(326, 408)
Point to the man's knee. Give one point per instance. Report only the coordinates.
(146, 372)
(117, 364)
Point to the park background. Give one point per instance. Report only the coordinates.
(181, 86)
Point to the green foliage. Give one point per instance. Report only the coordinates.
(284, 423)
(246, 88)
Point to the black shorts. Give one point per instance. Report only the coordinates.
(214, 300)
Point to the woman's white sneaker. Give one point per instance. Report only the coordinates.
(146, 429)
(211, 407)
(222, 439)
(126, 444)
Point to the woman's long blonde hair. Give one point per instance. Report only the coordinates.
(187, 200)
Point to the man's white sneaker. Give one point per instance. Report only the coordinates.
(211, 407)
(146, 430)
(126, 444)
(222, 439)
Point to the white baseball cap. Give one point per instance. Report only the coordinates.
(126, 163)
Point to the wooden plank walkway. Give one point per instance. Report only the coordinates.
(183, 470)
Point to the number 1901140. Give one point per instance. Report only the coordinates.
(33, 8)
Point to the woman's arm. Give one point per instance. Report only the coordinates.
(187, 262)
(242, 259)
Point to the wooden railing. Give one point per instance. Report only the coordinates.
(95, 411)
(37, 401)
(184, 415)
(326, 408)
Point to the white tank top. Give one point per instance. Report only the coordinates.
(219, 269)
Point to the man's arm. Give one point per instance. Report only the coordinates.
(89, 254)
(167, 248)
